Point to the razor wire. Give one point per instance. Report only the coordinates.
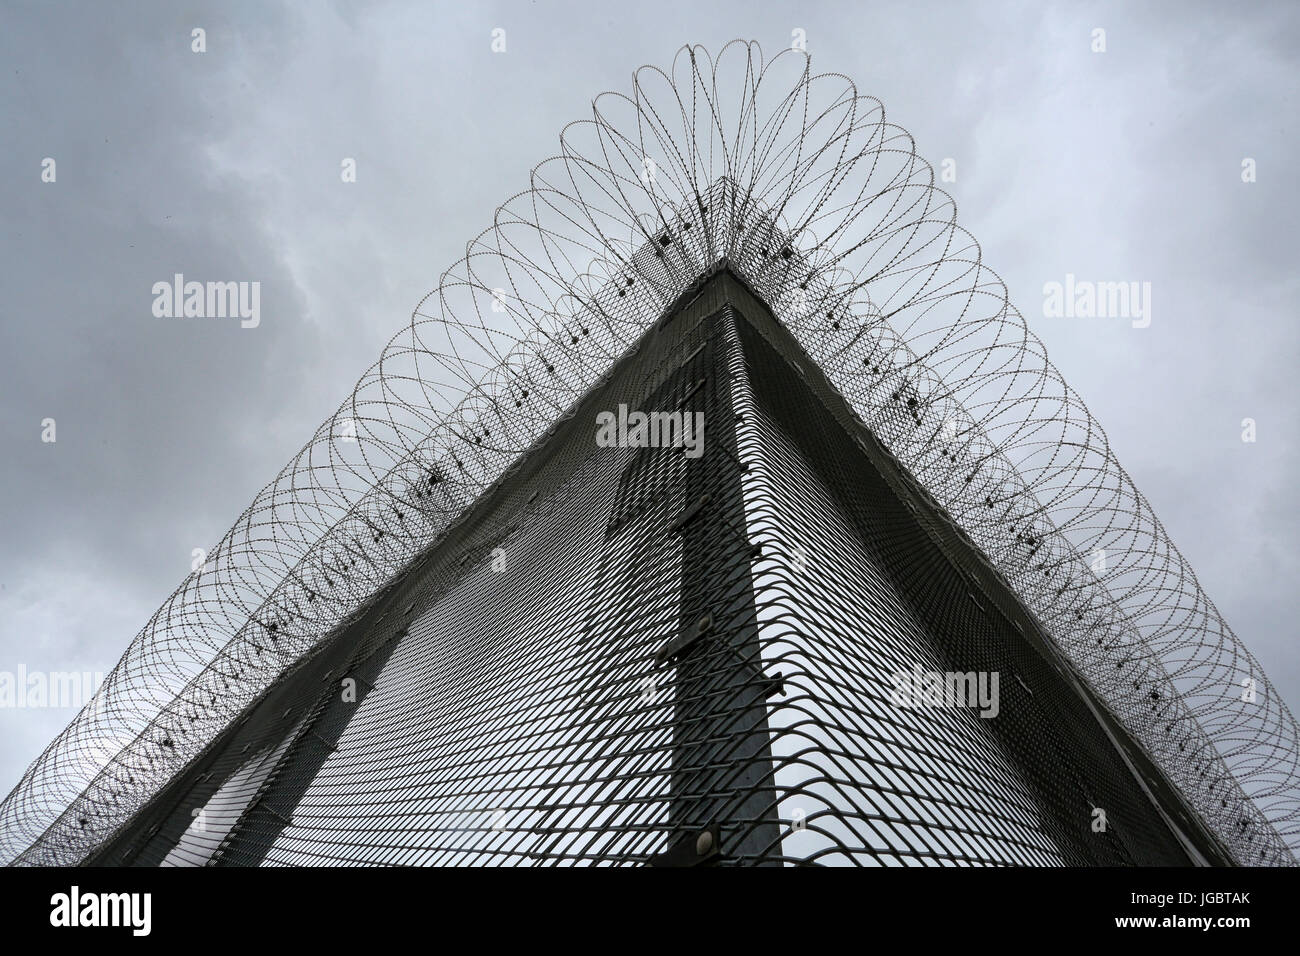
(800, 183)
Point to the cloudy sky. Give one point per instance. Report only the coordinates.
(1122, 165)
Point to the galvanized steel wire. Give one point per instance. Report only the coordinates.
(823, 206)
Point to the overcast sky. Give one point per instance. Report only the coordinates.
(1122, 165)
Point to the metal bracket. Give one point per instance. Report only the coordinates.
(700, 348)
(689, 515)
(332, 746)
(690, 393)
(682, 641)
(699, 848)
(260, 804)
(774, 686)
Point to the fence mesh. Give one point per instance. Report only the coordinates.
(824, 209)
(624, 650)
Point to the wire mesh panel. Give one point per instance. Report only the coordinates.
(677, 654)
